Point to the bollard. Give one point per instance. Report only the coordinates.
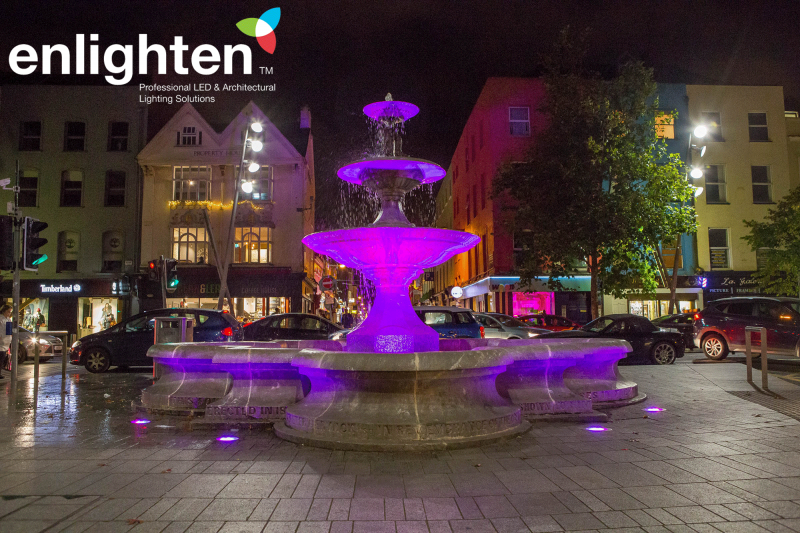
(64, 336)
(748, 335)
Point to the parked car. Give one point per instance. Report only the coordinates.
(648, 341)
(499, 326)
(549, 322)
(681, 322)
(126, 343)
(451, 322)
(719, 329)
(290, 326)
(49, 347)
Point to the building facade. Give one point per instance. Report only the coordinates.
(76, 147)
(499, 131)
(746, 172)
(190, 176)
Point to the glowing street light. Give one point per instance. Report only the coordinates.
(256, 146)
(696, 173)
(254, 167)
(256, 127)
(247, 187)
(698, 191)
(700, 131)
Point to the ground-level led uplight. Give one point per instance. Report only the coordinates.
(653, 409)
(227, 438)
(140, 421)
(597, 429)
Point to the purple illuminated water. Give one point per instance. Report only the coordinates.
(391, 252)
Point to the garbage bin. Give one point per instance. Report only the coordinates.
(173, 329)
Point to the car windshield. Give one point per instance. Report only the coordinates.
(598, 325)
(510, 321)
(661, 319)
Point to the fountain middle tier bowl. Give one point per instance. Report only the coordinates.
(394, 251)
(418, 170)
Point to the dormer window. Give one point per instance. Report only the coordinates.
(190, 137)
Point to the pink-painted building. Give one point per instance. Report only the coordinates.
(500, 129)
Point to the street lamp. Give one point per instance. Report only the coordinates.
(255, 146)
(700, 131)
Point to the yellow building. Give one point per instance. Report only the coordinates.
(745, 168)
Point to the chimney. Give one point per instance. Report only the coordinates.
(305, 118)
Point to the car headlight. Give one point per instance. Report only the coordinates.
(532, 334)
(76, 344)
(336, 336)
(44, 342)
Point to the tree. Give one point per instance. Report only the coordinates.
(598, 186)
(778, 236)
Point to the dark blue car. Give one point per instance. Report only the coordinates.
(451, 322)
(126, 343)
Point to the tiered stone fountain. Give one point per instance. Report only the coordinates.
(395, 385)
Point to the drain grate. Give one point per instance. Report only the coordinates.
(787, 403)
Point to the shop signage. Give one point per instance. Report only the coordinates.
(456, 292)
(719, 258)
(61, 288)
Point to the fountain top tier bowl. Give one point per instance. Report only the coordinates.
(390, 111)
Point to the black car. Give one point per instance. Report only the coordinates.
(290, 327)
(126, 343)
(648, 341)
(682, 322)
(720, 328)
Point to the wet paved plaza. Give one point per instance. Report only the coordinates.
(712, 461)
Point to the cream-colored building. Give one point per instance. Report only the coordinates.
(190, 175)
(745, 168)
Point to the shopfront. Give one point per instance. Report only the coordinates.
(505, 294)
(689, 298)
(726, 284)
(257, 291)
(80, 306)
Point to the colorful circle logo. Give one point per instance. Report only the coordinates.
(262, 28)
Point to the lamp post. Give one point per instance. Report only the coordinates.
(699, 132)
(246, 186)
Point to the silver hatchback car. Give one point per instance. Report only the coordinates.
(499, 326)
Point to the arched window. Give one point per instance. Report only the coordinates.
(253, 245)
(190, 245)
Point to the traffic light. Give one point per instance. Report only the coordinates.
(31, 242)
(6, 243)
(152, 270)
(171, 274)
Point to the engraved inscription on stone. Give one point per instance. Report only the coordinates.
(243, 412)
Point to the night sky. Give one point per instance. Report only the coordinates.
(337, 56)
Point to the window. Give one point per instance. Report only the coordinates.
(115, 188)
(718, 248)
(740, 308)
(762, 257)
(519, 121)
(757, 124)
(483, 191)
(474, 200)
(74, 136)
(762, 188)
(474, 150)
(190, 245)
(28, 187)
(715, 184)
(665, 125)
(69, 245)
(71, 188)
(118, 137)
(30, 136)
(191, 184)
(262, 184)
(190, 137)
(668, 250)
(712, 121)
(252, 245)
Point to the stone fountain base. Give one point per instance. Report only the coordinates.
(396, 402)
